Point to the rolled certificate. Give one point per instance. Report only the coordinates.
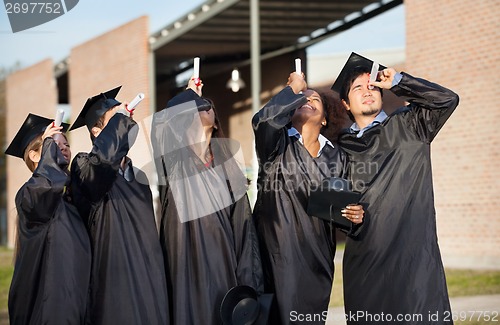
(374, 72)
(196, 68)
(196, 71)
(59, 117)
(298, 66)
(131, 106)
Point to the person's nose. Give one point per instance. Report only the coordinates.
(367, 92)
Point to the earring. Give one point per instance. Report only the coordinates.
(323, 123)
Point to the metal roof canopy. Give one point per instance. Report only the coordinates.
(218, 31)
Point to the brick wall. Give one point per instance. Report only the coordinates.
(455, 43)
(118, 57)
(32, 90)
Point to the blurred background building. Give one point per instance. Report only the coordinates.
(453, 43)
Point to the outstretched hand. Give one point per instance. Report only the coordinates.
(195, 85)
(122, 109)
(384, 78)
(297, 82)
(50, 130)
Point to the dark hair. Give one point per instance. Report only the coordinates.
(223, 149)
(100, 123)
(349, 79)
(346, 86)
(334, 115)
(217, 131)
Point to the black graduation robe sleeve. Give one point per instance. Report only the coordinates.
(431, 105)
(41, 195)
(249, 269)
(94, 173)
(270, 123)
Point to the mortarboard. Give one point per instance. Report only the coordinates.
(243, 306)
(327, 201)
(32, 126)
(188, 95)
(95, 107)
(354, 62)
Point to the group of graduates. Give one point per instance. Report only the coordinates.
(89, 249)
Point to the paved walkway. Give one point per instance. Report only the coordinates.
(466, 307)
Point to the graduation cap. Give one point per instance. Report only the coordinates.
(33, 126)
(243, 306)
(354, 64)
(95, 107)
(188, 95)
(327, 201)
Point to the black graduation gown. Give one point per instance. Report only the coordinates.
(52, 270)
(205, 255)
(297, 249)
(394, 266)
(127, 283)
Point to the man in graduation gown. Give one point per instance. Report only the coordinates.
(394, 266)
(128, 283)
(207, 232)
(297, 249)
(52, 267)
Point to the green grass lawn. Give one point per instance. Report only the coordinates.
(6, 271)
(460, 283)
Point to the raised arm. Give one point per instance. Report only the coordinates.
(269, 124)
(40, 196)
(431, 104)
(93, 174)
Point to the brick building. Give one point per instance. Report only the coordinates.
(453, 43)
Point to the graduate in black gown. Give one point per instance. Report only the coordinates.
(394, 266)
(128, 283)
(52, 265)
(297, 249)
(207, 233)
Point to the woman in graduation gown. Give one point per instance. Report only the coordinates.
(206, 232)
(52, 267)
(297, 249)
(128, 283)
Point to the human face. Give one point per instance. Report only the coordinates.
(312, 112)
(63, 145)
(363, 99)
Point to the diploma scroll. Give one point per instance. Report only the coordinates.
(131, 106)
(196, 71)
(374, 72)
(298, 66)
(59, 117)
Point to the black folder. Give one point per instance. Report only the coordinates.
(327, 200)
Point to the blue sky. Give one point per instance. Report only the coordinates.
(91, 18)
